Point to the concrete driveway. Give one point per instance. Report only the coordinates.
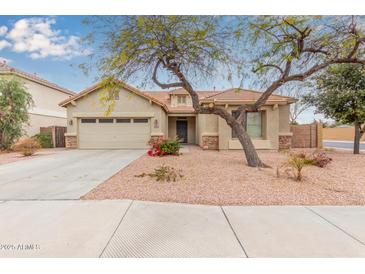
(63, 175)
(124, 228)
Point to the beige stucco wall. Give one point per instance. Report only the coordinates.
(284, 126)
(37, 121)
(272, 126)
(212, 124)
(207, 124)
(174, 100)
(46, 111)
(128, 105)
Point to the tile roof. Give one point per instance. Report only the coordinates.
(6, 69)
(164, 97)
(126, 86)
(238, 94)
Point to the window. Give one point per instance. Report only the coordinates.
(116, 95)
(123, 121)
(140, 120)
(88, 121)
(181, 100)
(253, 124)
(106, 121)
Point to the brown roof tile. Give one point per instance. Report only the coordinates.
(164, 97)
(237, 94)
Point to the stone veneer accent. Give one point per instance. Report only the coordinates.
(71, 141)
(285, 142)
(156, 138)
(210, 142)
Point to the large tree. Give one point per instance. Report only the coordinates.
(14, 104)
(289, 48)
(341, 96)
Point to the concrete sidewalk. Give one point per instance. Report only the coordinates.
(126, 228)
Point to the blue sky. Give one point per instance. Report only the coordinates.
(52, 47)
(57, 53)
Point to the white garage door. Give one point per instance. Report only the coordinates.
(114, 133)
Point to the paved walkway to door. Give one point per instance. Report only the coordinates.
(124, 228)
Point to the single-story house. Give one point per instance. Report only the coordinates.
(139, 116)
(46, 97)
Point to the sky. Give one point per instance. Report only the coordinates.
(52, 48)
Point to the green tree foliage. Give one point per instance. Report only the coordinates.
(14, 103)
(341, 96)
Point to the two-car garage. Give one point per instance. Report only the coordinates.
(129, 122)
(114, 133)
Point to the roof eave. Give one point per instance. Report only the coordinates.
(14, 72)
(98, 86)
(230, 101)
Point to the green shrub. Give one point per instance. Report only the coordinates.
(170, 147)
(45, 139)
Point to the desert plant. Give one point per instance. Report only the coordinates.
(14, 104)
(27, 146)
(296, 162)
(164, 173)
(321, 159)
(163, 147)
(45, 139)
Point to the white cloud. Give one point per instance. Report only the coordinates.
(37, 37)
(3, 30)
(4, 44)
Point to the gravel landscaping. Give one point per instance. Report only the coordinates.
(8, 157)
(221, 178)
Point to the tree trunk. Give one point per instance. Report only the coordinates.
(358, 135)
(252, 157)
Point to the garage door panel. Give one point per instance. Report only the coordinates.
(113, 135)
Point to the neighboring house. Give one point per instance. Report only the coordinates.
(46, 96)
(139, 116)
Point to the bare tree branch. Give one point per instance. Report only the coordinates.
(315, 50)
(301, 77)
(270, 65)
(162, 85)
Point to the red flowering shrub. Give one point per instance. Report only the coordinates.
(163, 147)
(155, 150)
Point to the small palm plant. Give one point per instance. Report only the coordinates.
(296, 163)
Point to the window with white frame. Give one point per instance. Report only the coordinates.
(181, 100)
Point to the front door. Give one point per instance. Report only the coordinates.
(182, 130)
